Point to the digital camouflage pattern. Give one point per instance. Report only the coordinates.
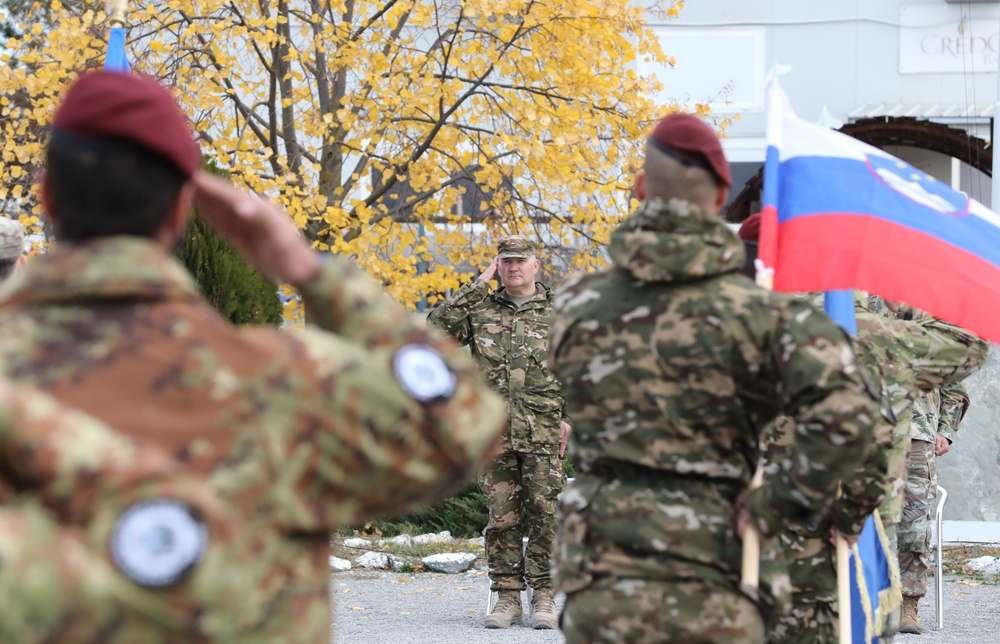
(937, 412)
(917, 355)
(300, 433)
(673, 364)
(510, 344)
(640, 610)
(64, 480)
(521, 489)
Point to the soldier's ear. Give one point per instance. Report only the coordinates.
(640, 186)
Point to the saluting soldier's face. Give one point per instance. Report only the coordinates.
(518, 271)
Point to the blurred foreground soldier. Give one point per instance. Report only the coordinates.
(672, 363)
(367, 413)
(508, 331)
(916, 356)
(103, 540)
(12, 256)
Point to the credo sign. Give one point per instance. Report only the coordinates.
(949, 38)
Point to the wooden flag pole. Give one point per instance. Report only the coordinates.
(750, 575)
(843, 590)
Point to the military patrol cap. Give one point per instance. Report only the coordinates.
(516, 246)
(11, 239)
(110, 106)
(686, 139)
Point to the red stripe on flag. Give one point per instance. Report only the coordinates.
(840, 251)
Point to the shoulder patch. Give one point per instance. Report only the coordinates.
(155, 543)
(422, 373)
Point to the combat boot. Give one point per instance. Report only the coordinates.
(543, 609)
(507, 610)
(909, 622)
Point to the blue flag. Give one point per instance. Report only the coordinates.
(116, 60)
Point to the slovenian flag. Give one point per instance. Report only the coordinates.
(841, 214)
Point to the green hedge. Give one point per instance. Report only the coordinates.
(464, 514)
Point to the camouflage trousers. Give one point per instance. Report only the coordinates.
(521, 493)
(915, 528)
(637, 610)
(812, 569)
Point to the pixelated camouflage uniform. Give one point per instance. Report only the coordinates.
(673, 364)
(918, 355)
(935, 413)
(510, 344)
(65, 480)
(300, 432)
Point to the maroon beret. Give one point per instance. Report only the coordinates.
(111, 105)
(750, 230)
(688, 140)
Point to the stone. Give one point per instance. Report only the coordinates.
(430, 537)
(336, 563)
(986, 565)
(450, 563)
(357, 543)
(478, 541)
(402, 540)
(379, 561)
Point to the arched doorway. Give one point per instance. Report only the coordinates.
(881, 132)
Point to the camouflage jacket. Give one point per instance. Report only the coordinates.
(366, 413)
(915, 356)
(938, 413)
(673, 364)
(71, 492)
(510, 344)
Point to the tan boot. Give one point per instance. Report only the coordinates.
(507, 610)
(543, 609)
(910, 623)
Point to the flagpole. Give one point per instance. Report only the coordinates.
(995, 137)
(117, 18)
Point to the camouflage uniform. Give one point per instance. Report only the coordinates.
(367, 414)
(935, 413)
(72, 572)
(916, 356)
(672, 364)
(510, 344)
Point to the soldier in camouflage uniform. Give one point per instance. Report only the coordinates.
(104, 540)
(368, 412)
(936, 415)
(905, 357)
(672, 364)
(918, 355)
(508, 332)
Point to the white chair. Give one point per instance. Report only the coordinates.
(939, 564)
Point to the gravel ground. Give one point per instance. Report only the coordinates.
(398, 608)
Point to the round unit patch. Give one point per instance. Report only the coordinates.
(423, 373)
(156, 542)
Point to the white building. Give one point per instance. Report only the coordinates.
(910, 70)
(914, 77)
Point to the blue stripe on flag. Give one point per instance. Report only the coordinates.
(116, 60)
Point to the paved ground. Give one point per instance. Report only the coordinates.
(397, 608)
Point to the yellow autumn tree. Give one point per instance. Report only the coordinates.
(409, 134)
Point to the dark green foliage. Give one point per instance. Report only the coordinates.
(464, 514)
(229, 282)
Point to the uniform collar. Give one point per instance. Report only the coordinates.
(105, 268)
(542, 294)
